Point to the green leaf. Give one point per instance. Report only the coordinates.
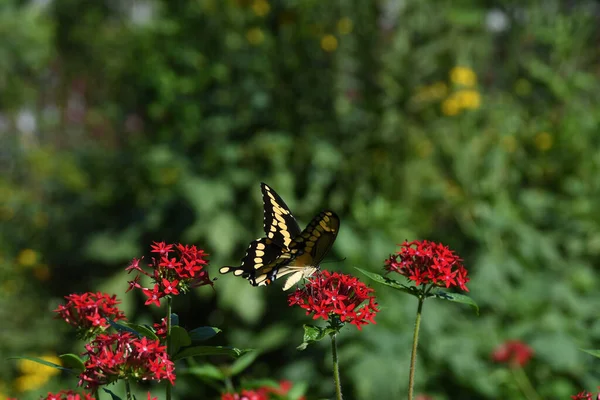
(455, 297)
(43, 362)
(595, 353)
(123, 328)
(142, 330)
(179, 339)
(112, 395)
(388, 282)
(297, 391)
(243, 362)
(203, 333)
(314, 334)
(73, 361)
(209, 351)
(206, 371)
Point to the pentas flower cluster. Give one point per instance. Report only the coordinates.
(333, 295)
(427, 262)
(175, 270)
(263, 393)
(90, 312)
(513, 352)
(123, 355)
(69, 395)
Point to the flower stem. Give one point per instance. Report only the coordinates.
(336, 369)
(128, 390)
(525, 384)
(413, 356)
(168, 394)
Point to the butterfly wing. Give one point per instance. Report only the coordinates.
(306, 252)
(278, 222)
(260, 252)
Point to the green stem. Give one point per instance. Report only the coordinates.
(128, 390)
(168, 394)
(524, 383)
(413, 356)
(336, 369)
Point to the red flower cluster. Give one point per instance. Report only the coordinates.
(261, 393)
(427, 262)
(585, 396)
(90, 312)
(69, 395)
(177, 269)
(513, 352)
(329, 294)
(125, 356)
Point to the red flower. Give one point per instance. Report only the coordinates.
(585, 396)
(68, 395)
(90, 312)
(124, 356)
(259, 394)
(427, 262)
(328, 295)
(513, 352)
(178, 269)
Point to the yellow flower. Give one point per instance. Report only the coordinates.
(329, 43)
(522, 87)
(468, 98)
(27, 258)
(450, 106)
(544, 141)
(463, 76)
(261, 7)
(345, 26)
(509, 143)
(255, 36)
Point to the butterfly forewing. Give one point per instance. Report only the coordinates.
(279, 224)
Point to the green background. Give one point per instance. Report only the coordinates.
(126, 122)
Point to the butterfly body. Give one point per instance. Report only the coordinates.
(286, 250)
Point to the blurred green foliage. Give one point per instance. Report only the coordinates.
(470, 123)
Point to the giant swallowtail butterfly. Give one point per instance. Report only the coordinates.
(286, 250)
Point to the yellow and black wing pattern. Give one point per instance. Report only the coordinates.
(286, 250)
(278, 222)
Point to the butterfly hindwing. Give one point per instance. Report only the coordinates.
(279, 224)
(260, 252)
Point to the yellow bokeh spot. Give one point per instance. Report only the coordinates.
(329, 43)
(509, 143)
(544, 141)
(463, 76)
(450, 106)
(35, 375)
(424, 148)
(261, 7)
(27, 258)
(41, 272)
(468, 99)
(345, 26)
(438, 90)
(523, 87)
(255, 36)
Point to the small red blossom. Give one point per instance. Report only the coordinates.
(328, 295)
(161, 328)
(585, 396)
(259, 394)
(90, 312)
(177, 269)
(122, 355)
(513, 352)
(425, 262)
(68, 395)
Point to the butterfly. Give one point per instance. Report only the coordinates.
(286, 250)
